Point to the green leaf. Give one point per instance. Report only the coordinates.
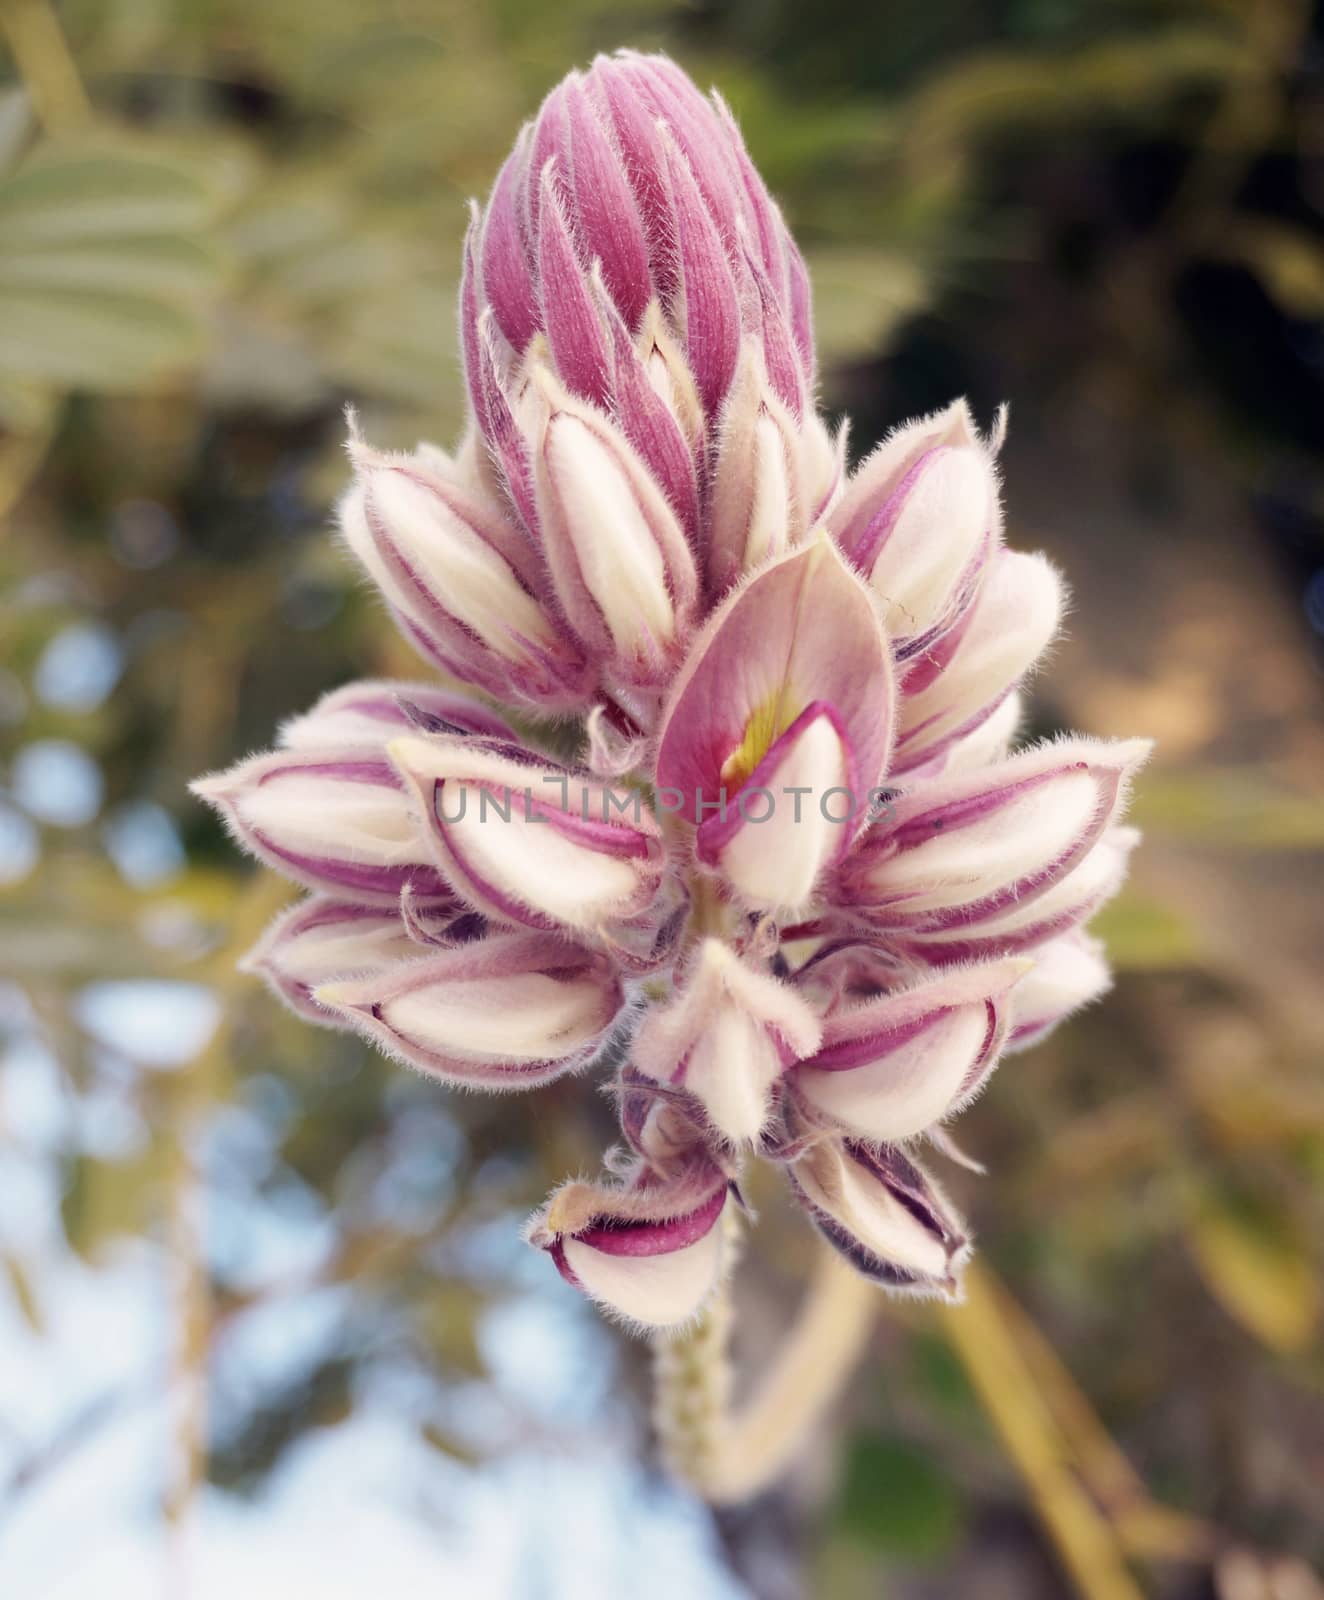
(897, 1499)
(1146, 935)
(93, 340)
(1259, 1270)
(62, 194)
(1234, 806)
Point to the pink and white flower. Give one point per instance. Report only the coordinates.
(797, 879)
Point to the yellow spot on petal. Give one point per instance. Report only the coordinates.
(766, 724)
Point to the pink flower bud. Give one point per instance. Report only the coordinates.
(461, 580)
(963, 679)
(953, 853)
(628, 165)
(920, 518)
(528, 842)
(336, 820)
(650, 1252)
(619, 560)
(885, 1214)
(726, 1038)
(801, 633)
(319, 939)
(506, 1012)
(1069, 972)
(889, 1068)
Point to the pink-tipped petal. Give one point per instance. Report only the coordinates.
(885, 1214)
(889, 1068)
(726, 1037)
(529, 842)
(336, 820)
(507, 1012)
(801, 631)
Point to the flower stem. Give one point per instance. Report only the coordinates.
(729, 1457)
(45, 65)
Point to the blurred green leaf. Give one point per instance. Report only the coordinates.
(897, 1499)
(1259, 1271)
(106, 276)
(1237, 806)
(1146, 935)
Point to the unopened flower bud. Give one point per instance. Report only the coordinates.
(885, 1214)
(320, 939)
(505, 1012)
(726, 1038)
(650, 1251)
(920, 519)
(461, 580)
(336, 820)
(889, 1068)
(532, 844)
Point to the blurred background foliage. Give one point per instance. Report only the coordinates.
(220, 222)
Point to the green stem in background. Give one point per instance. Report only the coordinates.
(1085, 1540)
(41, 54)
(731, 1456)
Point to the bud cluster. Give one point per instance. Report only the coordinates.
(796, 880)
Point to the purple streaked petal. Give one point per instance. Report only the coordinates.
(574, 329)
(891, 1067)
(953, 853)
(609, 222)
(707, 286)
(885, 1214)
(507, 276)
(509, 1011)
(335, 820)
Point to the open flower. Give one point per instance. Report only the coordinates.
(797, 879)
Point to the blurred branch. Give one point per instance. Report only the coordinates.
(1087, 1544)
(45, 64)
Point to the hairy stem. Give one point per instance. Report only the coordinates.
(728, 1457)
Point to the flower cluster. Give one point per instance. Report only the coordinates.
(795, 882)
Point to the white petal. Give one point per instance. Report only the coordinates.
(469, 578)
(908, 1090)
(859, 1203)
(941, 527)
(529, 1018)
(618, 552)
(1016, 616)
(1015, 841)
(1068, 973)
(990, 741)
(770, 514)
(776, 864)
(316, 815)
(722, 1038)
(1097, 876)
(338, 947)
(658, 1291)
